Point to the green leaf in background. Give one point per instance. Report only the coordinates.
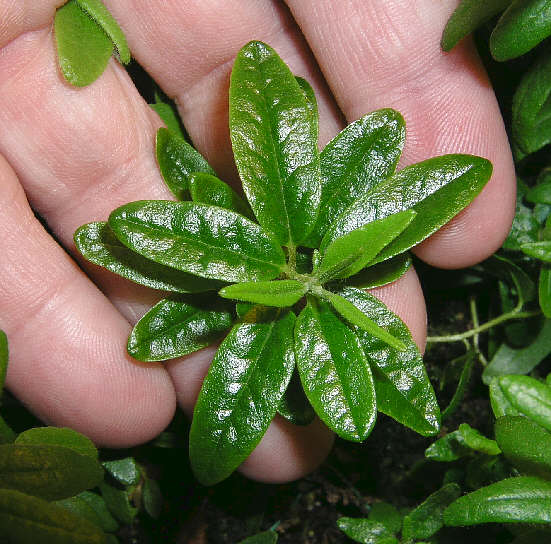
(524, 24)
(49, 472)
(544, 290)
(274, 143)
(462, 384)
(125, 471)
(459, 443)
(387, 514)
(152, 498)
(467, 17)
(525, 227)
(241, 394)
(99, 245)
(529, 396)
(531, 123)
(437, 189)
(539, 250)
(541, 192)
(381, 273)
(83, 47)
(334, 372)
(279, 293)
(294, 405)
(166, 110)
(475, 441)
(208, 189)
(501, 406)
(525, 499)
(404, 391)
(358, 318)
(58, 436)
(525, 444)
(425, 520)
(360, 157)
(348, 254)
(195, 238)
(366, 531)
(92, 507)
(100, 14)
(118, 503)
(177, 160)
(175, 327)
(266, 537)
(519, 361)
(25, 519)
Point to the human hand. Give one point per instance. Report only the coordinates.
(79, 153)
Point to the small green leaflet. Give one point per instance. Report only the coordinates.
(177, 161)
(58, 436)
(195, 238)
(83, 48)
(126, 471)
(166, 110)
(92, 507)
(525, 499)
(381, 273)
(334, 372)
(118, 503)
(279, 293)
(366, 531)
(500, 405)
(178, 326)
(241, 394)
(387, 514)
(98, 244)
(274, 143)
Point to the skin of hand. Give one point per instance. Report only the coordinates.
(72, 155)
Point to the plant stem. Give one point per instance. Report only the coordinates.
(513, 314)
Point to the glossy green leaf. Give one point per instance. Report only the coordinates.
(99, 245)
(475, 441)
(280, 293)
(118, 503)
(166, 110)
(334, 372)
(125, 471)
(175, 327)
(359, 158)
(538, 250)
(358, 318)
(540, 193)
(274, 143)
(177, 160)
(387, 514)
(266, 537)
(381, 273)
(513, 274)
(446, 449)
(241, 394)
(437, 189)
(4, 357)
(467, 17)
(529, 396)
(501, 406)
(525, 444)
(523, 25)
(92, 507)
(58, 436)
(525, 499)
(49, 472)
(544, 290)
(294, 405)
(311, 103)
(519, 361)
(348, 254)
(404, 391)
(208, 189)
(366, 531)
(100, 14)
(203, 240)
(25, 519)
(531, 123)
(83, 48)
(428, 518)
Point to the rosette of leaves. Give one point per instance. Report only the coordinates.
(314, 230)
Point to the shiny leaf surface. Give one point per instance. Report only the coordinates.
(274, 143)
(538, 250)
(350, 253)
(241, 394)
(366, 531)
(49, 472)
(58, 436)
(279, 293)
(334, 372)
(359, 158)
(203, 240)
(437, 189)
(381, 273)
(177, 160)
(525, 499)
(404, 391)
(99, 245)
(125, 471)
(178, 326)
(83, 48)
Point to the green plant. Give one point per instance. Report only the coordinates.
(329, 224)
